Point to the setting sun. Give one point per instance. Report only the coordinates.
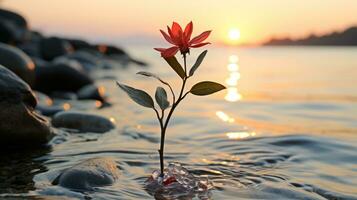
(234, 34)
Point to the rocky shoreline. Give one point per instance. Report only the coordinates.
(41, 80)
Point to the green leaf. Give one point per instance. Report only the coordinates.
(161, 98)
(206, 88)
(198, 62)
(149, 74)
(175, 65)
(138, 96)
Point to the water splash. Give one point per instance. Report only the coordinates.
(178, 182)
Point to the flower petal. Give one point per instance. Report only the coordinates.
(169, 52)
(167, 37)
(199, 45)
(170, 32)
(176, 31)
(188, 31)
(200, 38)
(160, 49)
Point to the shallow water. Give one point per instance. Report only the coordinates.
(285, 129)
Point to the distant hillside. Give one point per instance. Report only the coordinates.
(347, 37)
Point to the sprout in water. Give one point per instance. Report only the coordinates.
(181, 41)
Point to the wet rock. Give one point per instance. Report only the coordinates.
(53, 47)
(39, 62)
(70, 62)
(92, 92)
(8, 32)
(45, 105)
(88, 61)
(13, 27)
(43, 99)
(83, 122)
(13, 17)
(20, 125)
(91, 173)
(49, 110)
(112, 50)
(60, 77)
(30, 49)
(64, 95)
(18, 62)
(81, 45)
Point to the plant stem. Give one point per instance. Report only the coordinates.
(163, 126)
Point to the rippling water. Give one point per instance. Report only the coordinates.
(284, 129)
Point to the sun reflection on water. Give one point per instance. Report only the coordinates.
(224, 117)
(232, 81)
(240, 135)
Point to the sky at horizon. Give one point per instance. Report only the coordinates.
(138, 21)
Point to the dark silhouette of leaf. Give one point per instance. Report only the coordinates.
(138, 96)
(161, 98)
(198, 62)
(175, 65)
(206, 88)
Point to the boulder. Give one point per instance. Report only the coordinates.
(83, 122)
(111, 50)
(88, 60)
(43, 99)
(18, 62)
(45, 105)
(13, 17)
(53, 47)
(60, 77)
(8, 32)
(81, 45)
(13, 27)
(20, 125)
(92, 92)
(91, 173)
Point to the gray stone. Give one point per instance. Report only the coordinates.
(92, 92)
(95, 172)
(18, 62)
(60, 77)
(19, 123)
(53, 47)
(83, 122)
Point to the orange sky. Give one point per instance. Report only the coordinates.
(257, 20)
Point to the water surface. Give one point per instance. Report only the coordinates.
(284, 129)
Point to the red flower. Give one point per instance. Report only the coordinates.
(181, 40)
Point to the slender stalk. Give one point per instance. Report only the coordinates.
(163, 125)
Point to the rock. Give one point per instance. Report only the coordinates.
(81, 45)
(83, 122)
(45, 105)
(8, 32)
(60, 77)
(18, 62)
(87, 60)
(111, 50)
(91, 173)
(13, 17)
(70, 62)
(30, 48)
(43, 99)
(53, 47)
(92, 92)
(13, 27)
(64, 95)
(20, 125)
(49, 110)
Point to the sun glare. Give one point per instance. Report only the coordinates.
(234, 34)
